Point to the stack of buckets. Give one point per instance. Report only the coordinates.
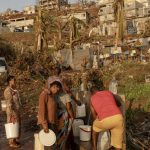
(79, 129)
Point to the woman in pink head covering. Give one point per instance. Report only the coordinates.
(47, 106)
(64, 110)
(65, 87)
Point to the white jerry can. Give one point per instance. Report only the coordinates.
(80, 111)
(3, 105)
(37, 143)
(75, 126)
(103, 140)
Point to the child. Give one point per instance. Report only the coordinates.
(12, 106)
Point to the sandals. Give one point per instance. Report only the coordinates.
(18, 143)
(14, 145)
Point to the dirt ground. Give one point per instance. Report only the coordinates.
(27, 133)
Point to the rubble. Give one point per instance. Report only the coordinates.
(139, 134)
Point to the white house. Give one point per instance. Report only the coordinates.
(21, 21)
(29, 10)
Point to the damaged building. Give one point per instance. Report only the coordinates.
(137, 12)
(52, 4)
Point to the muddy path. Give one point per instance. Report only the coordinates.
(28, 128)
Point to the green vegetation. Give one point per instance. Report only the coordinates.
(135, 91)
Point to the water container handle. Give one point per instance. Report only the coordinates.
(84, 130)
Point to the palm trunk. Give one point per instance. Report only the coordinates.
(117, 28)
(70, 48)
(39, 35)
(60, 35)
(39, 43)
(120, 22)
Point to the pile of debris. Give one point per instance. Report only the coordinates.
(139, 134)
(30, 65)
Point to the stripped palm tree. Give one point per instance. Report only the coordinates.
(45, 26)
(119, 17)
(74, 30)
(71, 27)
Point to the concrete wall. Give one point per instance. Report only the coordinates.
(103, 2)
(22, 23)
(84, 16)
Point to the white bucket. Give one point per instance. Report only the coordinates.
(12, 130)
(85, 132)
(47, 139)
(103, 140)
(80, 111)
(75, 126)
(3, 105)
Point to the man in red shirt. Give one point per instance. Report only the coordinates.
(107, 116)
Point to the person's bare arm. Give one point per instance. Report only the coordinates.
(70, 110)
(75, 100)
(42, 110)
(68, 91)
(94, 114)
(94, 134)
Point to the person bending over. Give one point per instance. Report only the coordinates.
(107, 116)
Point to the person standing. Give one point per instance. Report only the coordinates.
(47, 116)
(65, 117)
(56, 76)
(107, 116)
(12, 107)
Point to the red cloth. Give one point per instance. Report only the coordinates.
(104, 104)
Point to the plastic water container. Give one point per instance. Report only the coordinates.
(3, 105)
(82, 88)
(80, 111)
(113, 86)
(103, 140)
(37, 144)
(75, 126)
(2, 69)
(12, 130)
(85, 133)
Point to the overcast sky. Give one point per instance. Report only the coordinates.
(16, 4)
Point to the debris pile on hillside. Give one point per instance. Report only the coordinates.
(139, 134)
(29, 65)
